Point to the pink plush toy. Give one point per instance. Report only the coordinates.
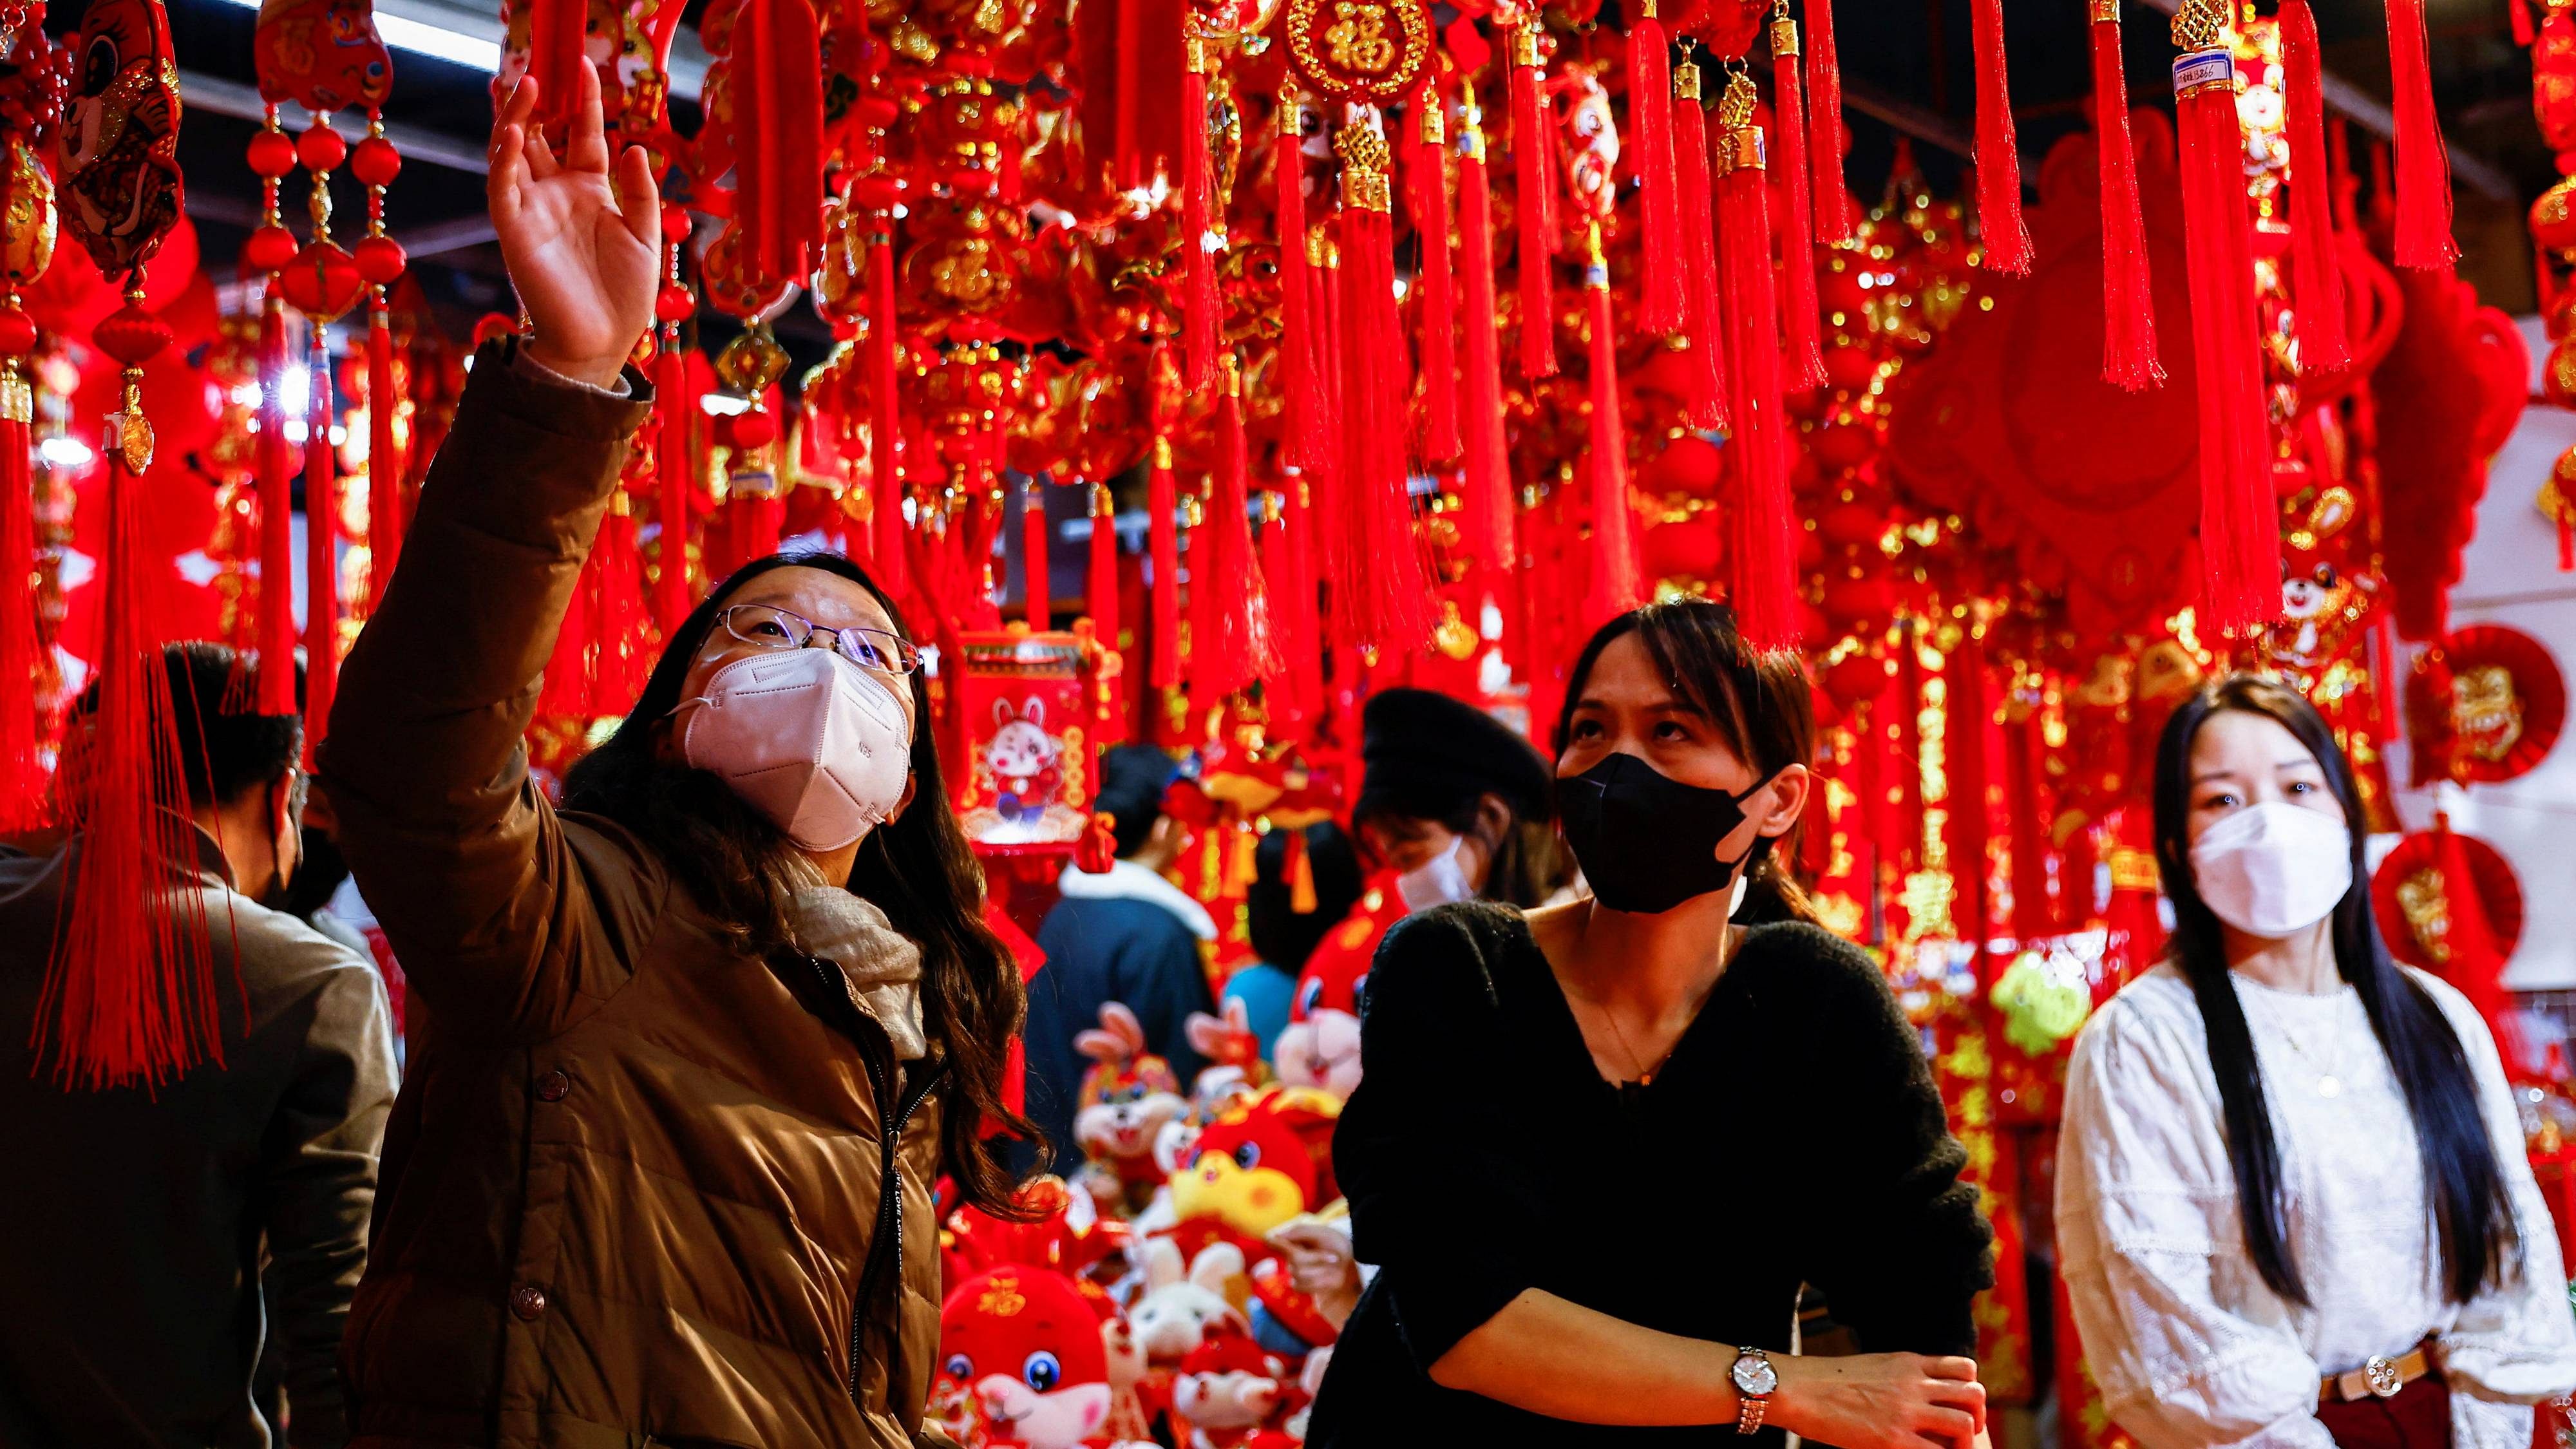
(1127, 1096)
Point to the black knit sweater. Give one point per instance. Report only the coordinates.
(1794, 1137)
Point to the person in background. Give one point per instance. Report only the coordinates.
(137, 1222)
(1455, 803)
(2292, 1198)
(1755, 1092)
(1129, 936)
(1283, 935)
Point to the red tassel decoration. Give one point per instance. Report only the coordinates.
(2566, 515)
(885, 427)
(1201, 661)
(1300, 622)
(1488, 467)
(1036, 587)
(2314, 257)
(1613, 588)
(1430, 172)
(778, 165)
(1535, 207)
(2239, 526)
(671, 404)
(555, 53)
(1243, 652)
(2128, 288)
(1308, 438)
(1101, 581)
(21, 776)
(1765, 583)
(566, 689)
(1663, 311)
(276, 517)
(2423, 232)
(1198, 298)
(1704, 407)
(129, 992)
(1382, 592)
(384, 463)
(624, 653)
(1837, 216)
(1797, 242)
(1163, 543)
(2031, 843)
(2007, 240)
(321, 552)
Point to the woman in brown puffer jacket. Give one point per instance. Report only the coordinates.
(687, 1054)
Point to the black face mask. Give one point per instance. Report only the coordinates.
(1646, 841)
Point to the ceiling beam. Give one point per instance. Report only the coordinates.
(1920, 122)
(2367, 111)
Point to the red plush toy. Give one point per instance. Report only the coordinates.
(1264, 1160)
(1023, 1360)
(1234, 1396)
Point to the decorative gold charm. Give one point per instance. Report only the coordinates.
(1365, 51)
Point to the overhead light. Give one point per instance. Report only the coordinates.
(65, 452)
(435, 41)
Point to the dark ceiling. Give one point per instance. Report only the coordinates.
(1907, 66)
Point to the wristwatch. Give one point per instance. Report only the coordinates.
(1754, 1378)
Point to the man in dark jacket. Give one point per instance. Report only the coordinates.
(1129, 936)
(138, 1222)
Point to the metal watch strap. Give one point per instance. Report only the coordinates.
(1751, 1407)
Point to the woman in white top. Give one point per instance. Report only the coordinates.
(2293, 1207)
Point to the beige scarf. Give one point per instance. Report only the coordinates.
(883, 964)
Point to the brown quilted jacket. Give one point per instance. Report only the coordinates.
(632, 1189)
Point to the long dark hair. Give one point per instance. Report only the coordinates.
(2470, 1209)
(1758, 700)
(918, 869)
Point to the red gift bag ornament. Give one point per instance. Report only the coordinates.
(1027, 700)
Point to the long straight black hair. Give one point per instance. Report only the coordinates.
(917, 868)
(2471, 1213)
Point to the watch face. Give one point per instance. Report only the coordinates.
(1755, 1376)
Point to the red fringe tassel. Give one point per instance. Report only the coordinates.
(1382, 593)
(1430, 173)
(1163, 542)
(1765, 583)
(2314, 257)
(1535, 206)
(1198, 300)
(624, 654)
(1797, 242)
(2007, 240)
(2423, 233)
(671, 478)
(1488, 468)
(21, 778)
(1664, 308)
(1036, 588)
(2128, 288)
(321, 554)
(885, 428)
(1705, 404)
(1613, 588)
(1837, 216)
(2239, 523)
(1307, 441)
(1242, 651)
(276, 517)
(1101, 579)
(384, 462)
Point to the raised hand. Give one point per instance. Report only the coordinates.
(584, 247)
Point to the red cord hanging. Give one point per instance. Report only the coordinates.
(1797, 243)
(1101, 577)
(1534, 205)
(1382, 593)
(1430, 206)
(1199, 344)
(1037, 589)
(778, 162)
(1704, 404)
(671, 404)
(1837, 215)
(2314, 256)
(1163, 545)
(2007, 240)
(1308, 439)
(2128, 288)
(1243, 651)
(2423, 231)
(1613, 587)
(1663, 310)
(1488, 470)
(22, 805)
(885, 440)
(321, 550)
(1765, 583)
(2239, 527)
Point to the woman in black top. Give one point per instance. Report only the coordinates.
(1598, 1147)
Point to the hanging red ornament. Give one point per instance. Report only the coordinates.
(1381, 590)
(1036, 588)
(885, 427)
(671, 408)
(2007, 240)
(1613, 587)
(2239, 527)
(1101, 579)
(1430, 207)
(2128, 288)
(1764, 586)
(1199, 344)
(1837, 216)
(778, 137)
(1308, 441)
(1163, 554)
(1488, 466)
(2314, 253)
(380, 261)
(21, 772)
(2423, 231)
(1244, 651)
(1704, 402)
(1797, 242)
(1534, 204)
(277, 463)
(1662, 309)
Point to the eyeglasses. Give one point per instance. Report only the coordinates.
(772, 628)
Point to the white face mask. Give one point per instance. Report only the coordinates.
(1437, 881)
(819, 744)
(2274, 869)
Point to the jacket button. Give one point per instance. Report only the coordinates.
(527, 1301)
(553, 1086)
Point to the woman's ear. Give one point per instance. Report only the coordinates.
(1493, 820)
(1789, 791)
(911, 785)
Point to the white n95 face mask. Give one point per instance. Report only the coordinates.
(2274, 869)
(816, 743)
